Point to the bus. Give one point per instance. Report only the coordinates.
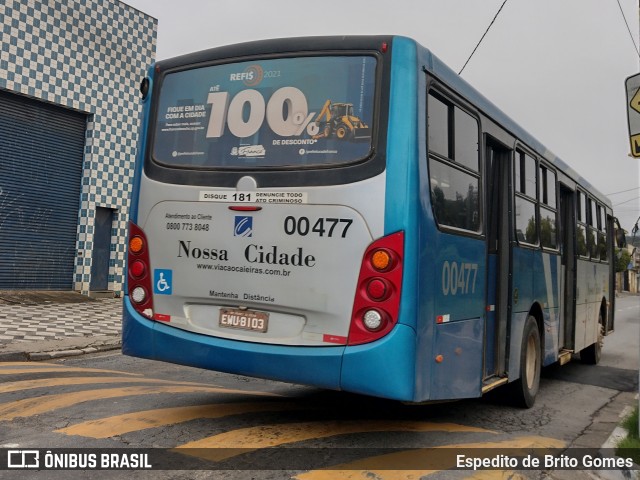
(348, 213)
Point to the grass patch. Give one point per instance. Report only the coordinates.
(630, 446)
(631, 423)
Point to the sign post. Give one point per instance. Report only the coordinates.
(633, 113)
(632, 85)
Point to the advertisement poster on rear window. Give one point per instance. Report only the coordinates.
(288, 112)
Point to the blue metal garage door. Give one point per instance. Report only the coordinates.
(41, 152)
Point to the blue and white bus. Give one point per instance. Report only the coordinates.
(349, 213)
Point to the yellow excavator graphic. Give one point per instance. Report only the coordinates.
(337, 119)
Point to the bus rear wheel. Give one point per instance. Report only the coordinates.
(525, 389)
(591, 354)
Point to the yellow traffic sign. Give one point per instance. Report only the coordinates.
(635, 101)
(632, 86)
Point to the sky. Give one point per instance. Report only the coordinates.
(557, 67)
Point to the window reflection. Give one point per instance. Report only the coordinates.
(455, 197)
(548, 222)
(582, 241)
(526, 227)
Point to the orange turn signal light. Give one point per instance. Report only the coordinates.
(381, 260)
(136, 244)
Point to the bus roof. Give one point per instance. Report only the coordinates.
(446, 75)
(278, 46)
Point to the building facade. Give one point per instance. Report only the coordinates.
(69, 114)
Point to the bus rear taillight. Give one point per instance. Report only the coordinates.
(378, 289)
(137, 269)
(139, 278)
(377, 301)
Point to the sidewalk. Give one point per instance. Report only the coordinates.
(46, 325)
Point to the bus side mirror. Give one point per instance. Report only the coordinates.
(144, 87)
(621, 239)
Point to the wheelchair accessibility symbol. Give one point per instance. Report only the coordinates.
(162, 282)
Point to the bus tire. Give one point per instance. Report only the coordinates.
(591, 354)
(525, 389)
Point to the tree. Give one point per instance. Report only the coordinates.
(623, 258)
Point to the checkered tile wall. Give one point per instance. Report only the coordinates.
(88, 55)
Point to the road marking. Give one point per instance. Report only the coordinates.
(378, 467)
(32, 364)
(65, 381)
(35, 406)
(265, 436)
(130, 422)
(15, 368)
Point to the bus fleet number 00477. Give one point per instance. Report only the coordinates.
(304, 226)
(459, 278)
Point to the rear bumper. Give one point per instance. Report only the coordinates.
(383, 368)
(158, 341)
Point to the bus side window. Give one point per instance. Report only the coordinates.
(466, 140)
(602, 234)
(581, 230)
(592, 235)
(454, 165)
(526, 181)
(438, 119)
(548, 213)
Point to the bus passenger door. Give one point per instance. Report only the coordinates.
(568, 301)
(498, 259)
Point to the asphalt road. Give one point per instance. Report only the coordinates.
(112, 401)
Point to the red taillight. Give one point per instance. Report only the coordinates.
(139, 278)
(377, 289)
(137, 269)
(377, 301)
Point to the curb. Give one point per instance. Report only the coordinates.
(48, 350)
(618, 434)
(35, 357)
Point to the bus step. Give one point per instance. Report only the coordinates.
(564, 356)
(492, 382)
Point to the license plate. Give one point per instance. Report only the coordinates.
(244, 319)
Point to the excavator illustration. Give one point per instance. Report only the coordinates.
(337, 119)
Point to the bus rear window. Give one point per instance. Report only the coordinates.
(286, 112)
